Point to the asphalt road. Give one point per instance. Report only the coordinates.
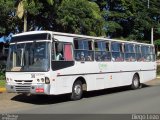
(115, 101)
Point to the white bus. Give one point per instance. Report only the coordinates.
(53, 63)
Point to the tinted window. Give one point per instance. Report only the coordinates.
(31, 37)
(129, 52)
(138, 52)
(117, 51)
(102, 52)
(152, 53)
(115, 47)
(62, 51)
(83, 50)
(145, 53)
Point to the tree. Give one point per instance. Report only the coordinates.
(29, 7)
(132, 19)
(81, 17)
(7, 19)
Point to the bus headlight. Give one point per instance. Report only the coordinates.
(47, 81)
(11, 79)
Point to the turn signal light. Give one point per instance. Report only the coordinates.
(47, 81)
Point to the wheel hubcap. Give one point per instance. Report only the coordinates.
(136, 82)
(77, 89)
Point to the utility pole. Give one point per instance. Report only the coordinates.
(151, 29)
(25, 21)
(152, 36)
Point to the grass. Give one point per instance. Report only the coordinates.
(2, 79)
(2, 83)
(158, 70)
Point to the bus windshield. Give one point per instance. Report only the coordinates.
(33, 56)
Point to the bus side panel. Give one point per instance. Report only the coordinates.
(118, 79)
(95, 78)
(66, 77)
(147, 76)
(148, 71)
(119, 74)
(63, 81)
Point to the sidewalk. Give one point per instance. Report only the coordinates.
(154, 82)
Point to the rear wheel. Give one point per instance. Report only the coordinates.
(135, 82)
(77, 91)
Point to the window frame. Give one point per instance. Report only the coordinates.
(102, 50)
(54, 51)
(88, 54)
(120, 57)
(145, 53)
(129, 52)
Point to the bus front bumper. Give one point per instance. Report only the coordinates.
(33, 89)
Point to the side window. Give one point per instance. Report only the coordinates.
(62, 51)
(83, 49)
(59, 51)
(145, 53)
(152, 53)
(129, 52)
(138, 52)
(62, 55)
(117, 51)
(102, 52)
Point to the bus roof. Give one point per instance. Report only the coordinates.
(77, 36)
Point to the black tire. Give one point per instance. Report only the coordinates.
(77, 91)
(135, 82)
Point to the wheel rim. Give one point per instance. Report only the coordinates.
(77, 90)
(136, 82)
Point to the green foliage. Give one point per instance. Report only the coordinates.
(131, 19)
(113, 26)
(32, 7)
(101, 3)
(6, 16)
(81, 17)
(158, 70)
(157, 42)
(2, 76)
(2, 83)
(51, 2)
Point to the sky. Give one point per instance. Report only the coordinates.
(8, 38)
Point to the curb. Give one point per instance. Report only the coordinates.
(2, 90)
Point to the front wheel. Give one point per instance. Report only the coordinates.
(135, 82)
(77, 91)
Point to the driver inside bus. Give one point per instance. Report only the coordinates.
(59, 51)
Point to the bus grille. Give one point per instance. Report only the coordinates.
(23, 86)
